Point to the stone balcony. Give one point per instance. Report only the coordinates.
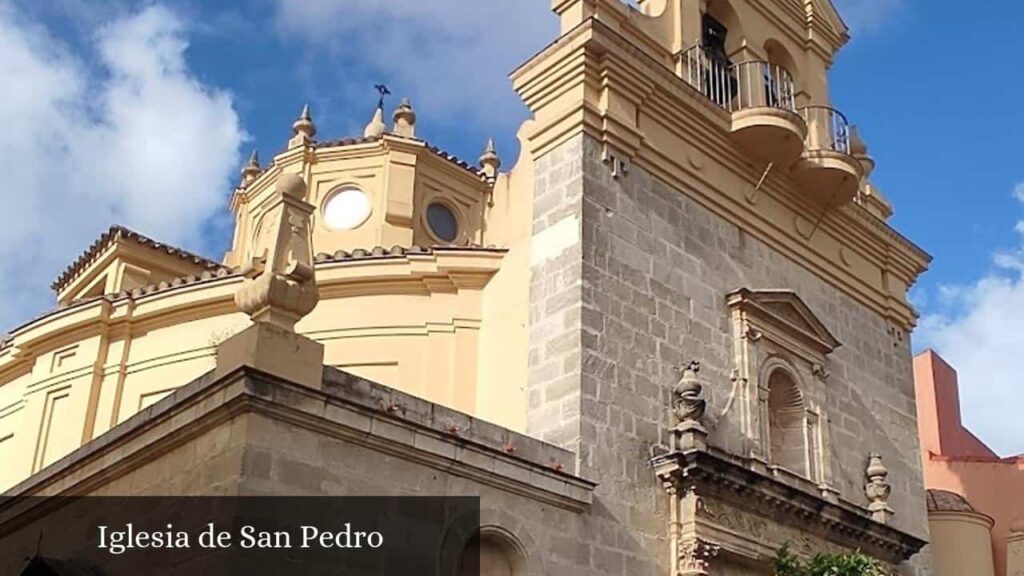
(827, 171)
(759, 95)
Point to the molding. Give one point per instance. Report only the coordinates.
(206, 403)
(593, 81)
(445, 270)
(976, 518)
(771, 503)
(793, 323)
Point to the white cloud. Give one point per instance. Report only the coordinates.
(452, 57)
(982, 339)
(123, 134)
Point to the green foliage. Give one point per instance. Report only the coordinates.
(849, 564)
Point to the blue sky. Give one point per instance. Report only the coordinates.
(140, 113)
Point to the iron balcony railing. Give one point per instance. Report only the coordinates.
(734, 87)
(827, 129)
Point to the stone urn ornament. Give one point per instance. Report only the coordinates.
(878, 489)
(688, 407)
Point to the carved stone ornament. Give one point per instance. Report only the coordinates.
(695, 557)
(688, 407)
(280, 285)
(713, 497)
(878, 490)
(687, 401)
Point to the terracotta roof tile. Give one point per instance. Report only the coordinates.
(946, 501)
(438, 151)
(381, 253)
(120, 232)
(377, 253)
(343, 141)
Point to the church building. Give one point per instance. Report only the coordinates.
(669, 338)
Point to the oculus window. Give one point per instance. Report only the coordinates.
(443, 223)
(346, 209)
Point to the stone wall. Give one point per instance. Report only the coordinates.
(250, 434)
(644, 285)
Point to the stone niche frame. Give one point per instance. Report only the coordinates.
(775, 330)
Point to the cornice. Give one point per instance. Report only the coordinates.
(568, 86)
(977, 518)
(340, 274)
(385, 428)
(708, 475)
(110, 240)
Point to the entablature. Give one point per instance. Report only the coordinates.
(594, 81)
(746, 513)
(360, 272)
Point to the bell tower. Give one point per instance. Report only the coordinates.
(702, 202)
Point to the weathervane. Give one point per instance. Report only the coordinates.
(383, 92)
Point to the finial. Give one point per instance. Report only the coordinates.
(280, 285)
(878, 489)
(688, 406)
(303, 129)
(304, 125)
(490, 162)
(687, 402)
(251, 170)
(405, 119)
(376, 128)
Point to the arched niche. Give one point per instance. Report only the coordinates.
(493, 551)
(777, 54)
(787, 422)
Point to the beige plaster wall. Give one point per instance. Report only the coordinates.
(413, 323)
(504, 334)
(992, 487)
(961, 544)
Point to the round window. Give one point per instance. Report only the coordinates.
(443, 222)
(346, 209)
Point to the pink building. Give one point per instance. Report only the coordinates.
(976, 498)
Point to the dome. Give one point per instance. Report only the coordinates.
(946, 501)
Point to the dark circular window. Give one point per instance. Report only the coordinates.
(442, 221)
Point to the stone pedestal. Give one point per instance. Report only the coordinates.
(275, 351)
(691, 435)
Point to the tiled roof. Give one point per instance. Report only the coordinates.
(377, 253)
(438, 151)
(120, 232)
(380, 253)
(946, 501)
(206, 276)
(343, 141)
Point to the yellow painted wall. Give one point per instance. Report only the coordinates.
(410, 322)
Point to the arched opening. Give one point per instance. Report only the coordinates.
(492, 552)
(777, 54)
(787, 423)
(785, 73)
(721, 28)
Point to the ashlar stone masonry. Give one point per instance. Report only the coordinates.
(641, 292)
